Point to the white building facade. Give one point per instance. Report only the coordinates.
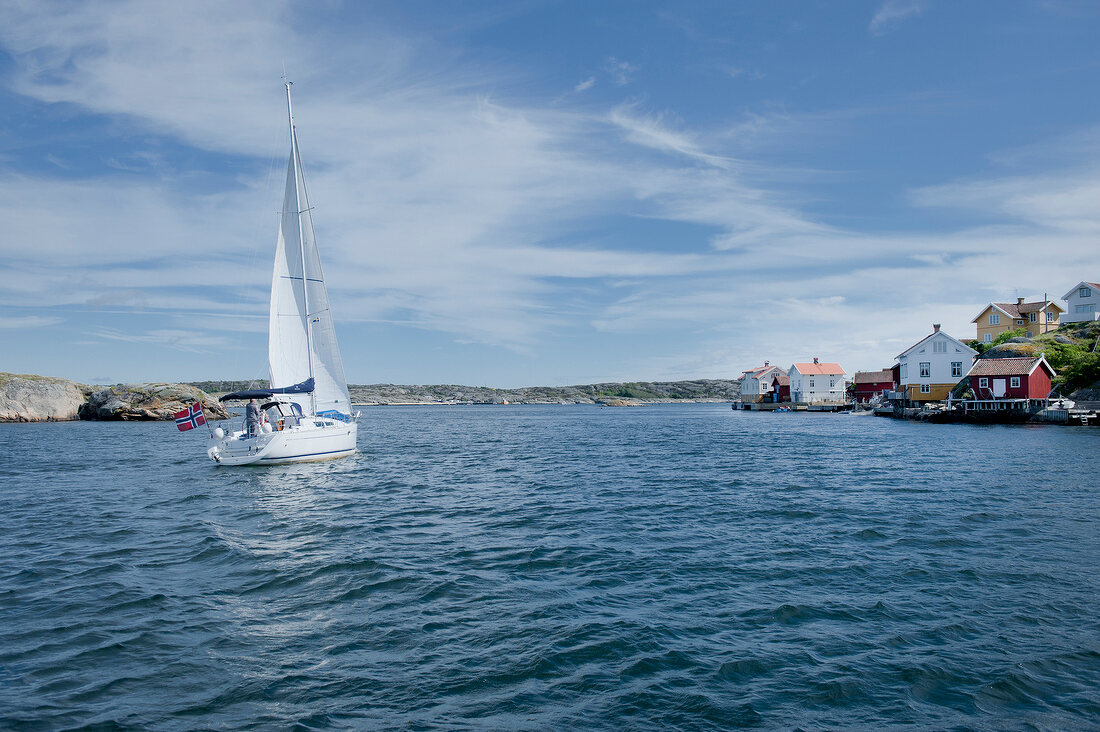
(816, 383)
(932, 366)
(756, 383)
(1082, 303)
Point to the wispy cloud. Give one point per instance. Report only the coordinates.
(621, 72)
(650, 132)
(28, 322)
(893, 13)
(181, 340)
(586, 84)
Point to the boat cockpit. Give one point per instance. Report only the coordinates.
(281, 415)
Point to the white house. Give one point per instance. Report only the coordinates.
(757, 382)
(817, 382)
(932, 366)
(1082, 303)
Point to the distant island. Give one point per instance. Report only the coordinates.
(33, 398)
(639, 392)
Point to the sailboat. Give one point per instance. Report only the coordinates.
(306, 411)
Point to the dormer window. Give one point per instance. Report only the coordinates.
(1085, 292)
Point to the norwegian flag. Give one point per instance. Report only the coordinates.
(190, 418)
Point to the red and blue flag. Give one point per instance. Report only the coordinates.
(190, 418)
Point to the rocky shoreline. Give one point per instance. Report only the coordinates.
(32, 398)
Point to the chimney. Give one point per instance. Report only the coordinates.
(765, 364)
(1019, 301)
(935, 327)
(815, 359)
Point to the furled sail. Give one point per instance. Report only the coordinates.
(301, 338)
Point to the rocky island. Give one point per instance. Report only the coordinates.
(32, 398)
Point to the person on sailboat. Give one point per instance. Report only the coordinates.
(252, 418)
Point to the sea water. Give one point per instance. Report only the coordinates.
(546, 567)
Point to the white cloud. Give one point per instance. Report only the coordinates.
(894, 12)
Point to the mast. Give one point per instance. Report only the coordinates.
(297, 164)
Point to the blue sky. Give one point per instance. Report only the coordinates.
(534, 192)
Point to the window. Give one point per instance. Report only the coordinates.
(1083, 308)
(925, 369)
(904, 371)
(988, 337)
(1019, 321)
(925, 389)
(956, 368)
(995, 319)
(1033, 317)
(1050, 316)
(811, 383)
(832, 383)
(939, 347)
(1085, 292)
(1015, 383)
(1029, 334)
(983, 382)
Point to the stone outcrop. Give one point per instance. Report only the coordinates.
(147, 402)
(1015, 348)
(29, 398)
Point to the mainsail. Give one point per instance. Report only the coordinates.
(301, 338)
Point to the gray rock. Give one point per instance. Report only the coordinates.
(148, 402)
(28, 398)
(1063, 339)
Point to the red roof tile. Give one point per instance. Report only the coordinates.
(825, 369)
(874, 377)
(1004, 366)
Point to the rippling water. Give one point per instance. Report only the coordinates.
(555, 567)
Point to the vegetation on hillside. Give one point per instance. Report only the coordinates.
(1003, 338)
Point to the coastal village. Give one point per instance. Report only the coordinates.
(1006, 373)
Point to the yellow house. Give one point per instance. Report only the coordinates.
(1034, 317)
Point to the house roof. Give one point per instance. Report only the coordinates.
(1008, 366)
(754, 369)
(954, 340)
(1094, 285)
(782, 379)
(874, 377)
(1017, 310)
(759, 371)
(824, 369)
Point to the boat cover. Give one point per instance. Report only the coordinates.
(303, 388)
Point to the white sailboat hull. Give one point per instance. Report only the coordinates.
(319, 440)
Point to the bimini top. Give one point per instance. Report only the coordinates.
(303, 388)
